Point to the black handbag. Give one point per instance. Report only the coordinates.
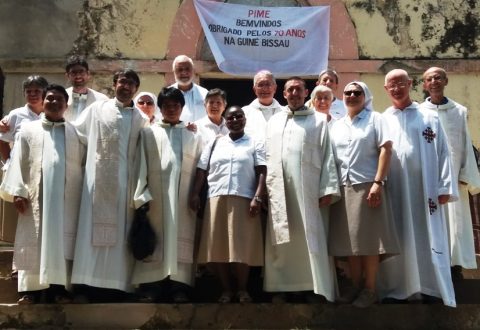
(141, 238)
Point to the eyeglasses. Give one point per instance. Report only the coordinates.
(264, 85)
(126, 81)
(392, 87)
(77, 72)
(352, 93)
(145, 102)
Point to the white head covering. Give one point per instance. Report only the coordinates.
(157, 114)
(366, 91)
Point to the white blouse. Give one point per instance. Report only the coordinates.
(232, 165)
(356, 144)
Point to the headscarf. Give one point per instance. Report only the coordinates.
(157, 114)
(366, 91)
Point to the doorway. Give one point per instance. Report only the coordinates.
(240, 91)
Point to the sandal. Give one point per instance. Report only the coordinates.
(26, 300)
(243, 297)
(226, 297)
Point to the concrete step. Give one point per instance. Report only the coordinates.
(237, 316)
(205, 314)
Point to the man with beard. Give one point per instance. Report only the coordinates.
(194, 108)
(301, 178)
(111, 130)
(80, 96)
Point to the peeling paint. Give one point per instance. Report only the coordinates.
(462, 35)
(422, 28)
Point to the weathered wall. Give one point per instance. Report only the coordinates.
(368, 38)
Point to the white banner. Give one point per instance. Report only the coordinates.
(285, 40)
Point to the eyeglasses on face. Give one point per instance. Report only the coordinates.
(145, 102)
(77, 72)
(352, 93)
(392, 87)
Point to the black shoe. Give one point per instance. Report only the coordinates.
(456, 272)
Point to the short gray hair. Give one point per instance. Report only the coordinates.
(263, 73)
(181, 59)
(321, 89)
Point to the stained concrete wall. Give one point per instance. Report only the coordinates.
(37, 36)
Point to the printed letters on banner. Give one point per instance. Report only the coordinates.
(285, 40)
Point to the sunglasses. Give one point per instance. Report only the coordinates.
(352, 93)
(145, 102)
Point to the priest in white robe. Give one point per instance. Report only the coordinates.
(169, 153)
(453, 117)
(111, 130)
(80, 96)
(260, 110)
(301, 178)
(420, 182)
(44, 182)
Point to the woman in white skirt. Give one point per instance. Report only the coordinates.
(231, 238)
(361, 226)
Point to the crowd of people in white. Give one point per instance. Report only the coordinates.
(299, 189)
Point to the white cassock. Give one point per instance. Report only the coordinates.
(301, 169)
(46, 169)
(78, 102)
(420, 171)
(194, 108)
(257, 116)
(168, 158)
(453, 117)
(111, 132)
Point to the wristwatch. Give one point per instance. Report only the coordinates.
(379, 182)
(257, 199)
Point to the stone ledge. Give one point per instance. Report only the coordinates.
(233, 316)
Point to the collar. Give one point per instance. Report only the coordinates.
(362, 114)
(257, 105)
(442, 106)
(412, 106)
(48, 123)
(163, 124)
(31, 112)
(303, 111)
(243, 138)
(211, 123)
(79, 96)
(120, 105)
